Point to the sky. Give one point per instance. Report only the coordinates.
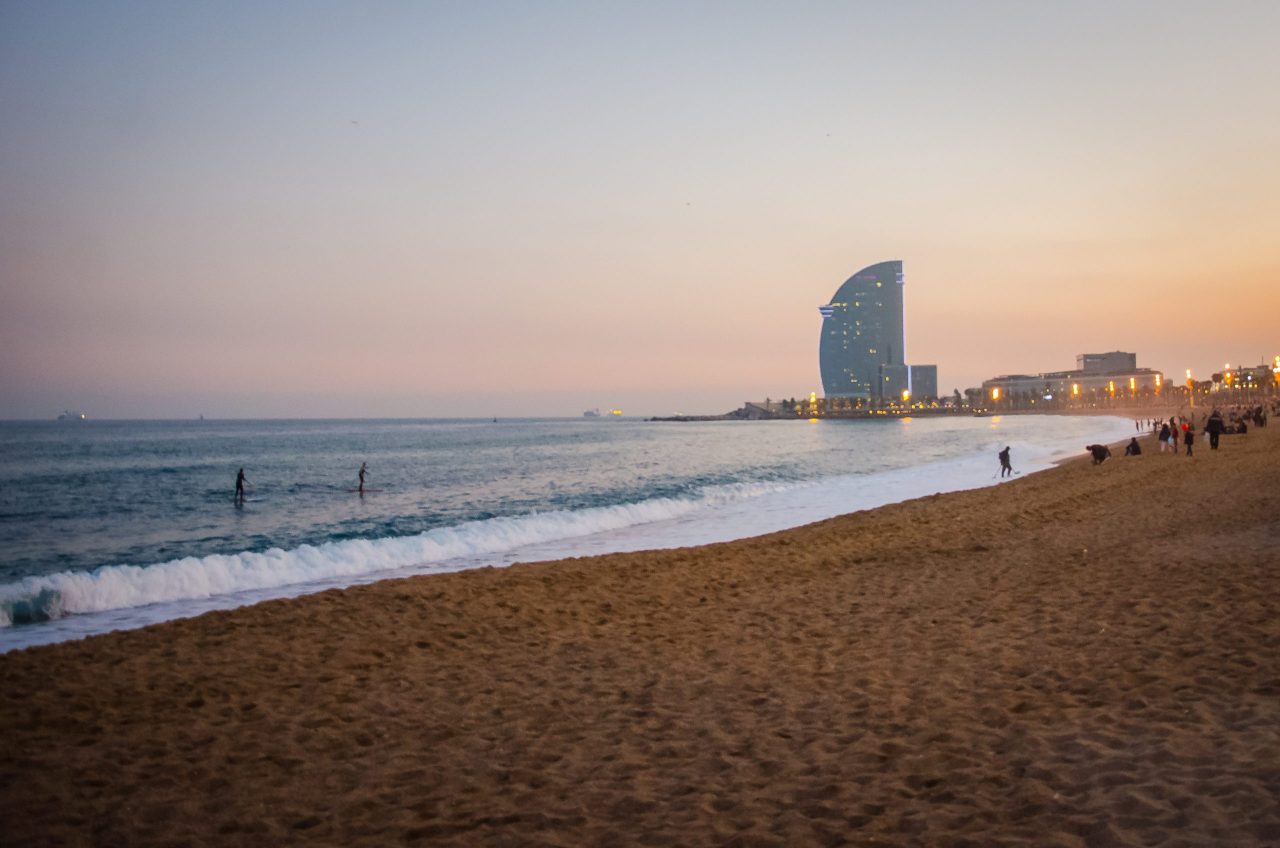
(240, 209)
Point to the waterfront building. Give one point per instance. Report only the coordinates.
(895, 382)
(1258, 376)
(1097, 375)
(1102, 363)
(924, 381)
(861, 352)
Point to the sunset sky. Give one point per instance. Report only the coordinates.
(446, 209)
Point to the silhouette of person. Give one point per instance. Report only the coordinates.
(1005, 468)
(362, 473)
(240, 481)
(1214, 428)
(1133, 448)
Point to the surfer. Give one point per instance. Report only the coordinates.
(362, 473)
(1006, 470)
(240, 481)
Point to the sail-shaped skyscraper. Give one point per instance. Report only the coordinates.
(860, 352)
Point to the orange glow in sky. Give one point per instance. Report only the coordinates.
(510, 209)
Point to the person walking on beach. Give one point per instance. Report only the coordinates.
(1173, 434)
(1164, 437)
(362, 473)
(1214, 428)
(1005, 468)
(1189, 437)
(240, 481)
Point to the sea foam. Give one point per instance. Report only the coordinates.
(113, 587)
(81, 603)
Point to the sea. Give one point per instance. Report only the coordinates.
(111, 525)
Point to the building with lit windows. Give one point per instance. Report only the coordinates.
(860, 352)
(1248, 377)
(1114, 374)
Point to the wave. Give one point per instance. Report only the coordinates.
(114, 587)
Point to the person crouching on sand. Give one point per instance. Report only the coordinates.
(1133, 448)
(1101, 453)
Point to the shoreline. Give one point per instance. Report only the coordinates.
(792, 505)
(1083, 656)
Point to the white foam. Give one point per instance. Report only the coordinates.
(192, 578)
(129, 596)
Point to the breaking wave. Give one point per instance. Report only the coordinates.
(114, 587)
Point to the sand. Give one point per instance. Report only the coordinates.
(1086, 656)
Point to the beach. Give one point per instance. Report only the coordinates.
(1085, 656)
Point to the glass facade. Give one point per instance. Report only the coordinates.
(862, 332)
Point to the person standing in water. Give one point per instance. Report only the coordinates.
(362, 473)
(1005, 467)
(240, 481)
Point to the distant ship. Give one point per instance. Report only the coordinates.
(591, 413)
(615, 412)
(72, 415)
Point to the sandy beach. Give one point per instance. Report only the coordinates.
(1089, 656)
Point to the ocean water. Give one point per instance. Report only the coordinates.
(114, 525)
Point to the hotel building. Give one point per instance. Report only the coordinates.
(860, 351)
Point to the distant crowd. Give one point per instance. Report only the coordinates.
(1181, 430)
(1235, 419)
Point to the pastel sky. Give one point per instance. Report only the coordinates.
(476, 208)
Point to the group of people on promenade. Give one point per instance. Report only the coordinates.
(241, 481)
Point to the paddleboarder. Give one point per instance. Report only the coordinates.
(240, 481)
(362, 473)
(1006, 470)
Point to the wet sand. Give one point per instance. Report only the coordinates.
(1084, 657)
